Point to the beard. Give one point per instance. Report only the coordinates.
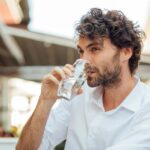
(107, 79)
(109, 76)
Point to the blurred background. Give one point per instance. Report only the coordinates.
(36, 35)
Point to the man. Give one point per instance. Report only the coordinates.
(112, 110)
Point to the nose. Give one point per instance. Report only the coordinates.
(86, 56)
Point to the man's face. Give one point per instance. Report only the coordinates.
(104, 68)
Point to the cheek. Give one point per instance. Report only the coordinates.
(102, 58)
(96, 61)
(102, 61)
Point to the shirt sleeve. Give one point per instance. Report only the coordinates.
(138, 137)
(57, 125)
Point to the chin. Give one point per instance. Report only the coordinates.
(92, 83)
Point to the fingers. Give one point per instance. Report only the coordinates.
(69, 67)
(50, 78)
(78, 91)
(58, 73)
(53, 79)
(55, 76)
(68, 70)
(62, 73)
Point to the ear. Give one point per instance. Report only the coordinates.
(126, 54)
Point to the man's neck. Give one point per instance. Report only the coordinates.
(113, 97)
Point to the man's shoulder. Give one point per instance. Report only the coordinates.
(144, 109)
(146, 94)
(146, 89)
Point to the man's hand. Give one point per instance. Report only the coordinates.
(51, 81)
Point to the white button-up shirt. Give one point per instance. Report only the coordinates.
(86, 126)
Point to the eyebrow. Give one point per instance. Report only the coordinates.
(89, 45)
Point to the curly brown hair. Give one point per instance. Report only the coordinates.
(114, 25)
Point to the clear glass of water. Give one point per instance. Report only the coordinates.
(66, 86)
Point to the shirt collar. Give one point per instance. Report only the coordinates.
(132, 102)
(134, 99)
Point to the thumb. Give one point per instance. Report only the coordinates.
(78, 91)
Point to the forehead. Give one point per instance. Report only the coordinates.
(83, 41)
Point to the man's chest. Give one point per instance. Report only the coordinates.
(94, 129)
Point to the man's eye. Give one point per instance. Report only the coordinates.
(93, 49)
